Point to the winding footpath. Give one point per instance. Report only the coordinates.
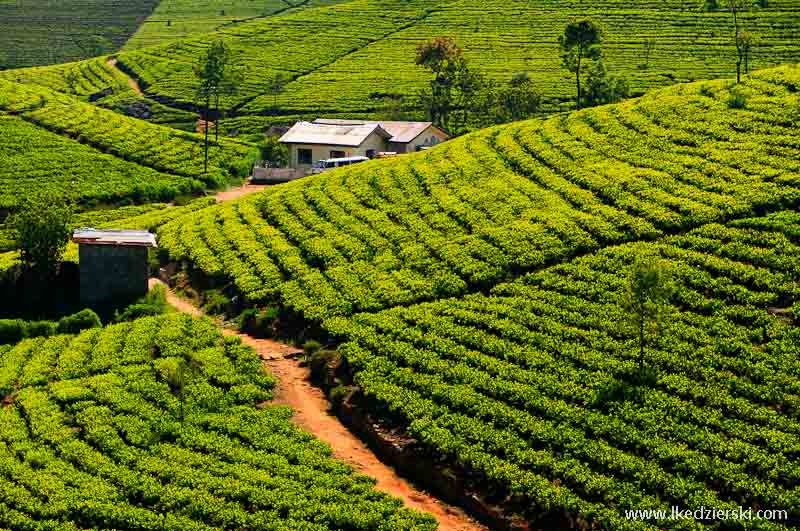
(132, 83)
(311, 413)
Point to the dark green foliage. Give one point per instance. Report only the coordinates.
(737, 100)
(580, 42)
(274, 152)
(83, 320)
(455, 92)
(215, 303)
(602, 88)
(15, 330)
(11, 331)
(259, 323)
(42, 229)
(311, 347)
(647, 300)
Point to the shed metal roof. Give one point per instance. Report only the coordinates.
(124, 238)
(402, 132)
(351, 135)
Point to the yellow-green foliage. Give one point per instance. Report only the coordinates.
(96, 432)
(339, 56)
(513, 198)
(174, 19)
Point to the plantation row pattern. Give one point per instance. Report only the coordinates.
(57, 141)
(515, 386)
(94, 435)
(342, 58)
(488, 206)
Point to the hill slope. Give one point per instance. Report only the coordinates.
(529, 389)
(341, 57)
(55, 140)
(94, 435)
(506, 200)
(40, 32)
(174, 19)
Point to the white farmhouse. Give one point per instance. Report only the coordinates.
(321, 139)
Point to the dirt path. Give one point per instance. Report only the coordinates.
(311, 414)
(239, 191)
(131, 82)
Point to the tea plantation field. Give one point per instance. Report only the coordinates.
(174, 19)
(54, 140)
(153, 425)
(506, 200)
(478, 289)
(342, 57)
(41, 32)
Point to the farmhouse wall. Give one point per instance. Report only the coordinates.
(320, 152)
(111, 272)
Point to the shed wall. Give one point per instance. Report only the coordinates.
(111, 272)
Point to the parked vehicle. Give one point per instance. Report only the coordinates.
(329, 164)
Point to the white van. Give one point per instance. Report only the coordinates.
(328, 164)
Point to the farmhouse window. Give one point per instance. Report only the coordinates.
(305, 156)
(338, 154)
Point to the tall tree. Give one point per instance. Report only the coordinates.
(517, 100)
(217, 76)
(581, 41)
(647, 299)
(742, 40)
(454, 90)
(42, 228)
(275, 86)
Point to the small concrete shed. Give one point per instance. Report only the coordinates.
(113, 264)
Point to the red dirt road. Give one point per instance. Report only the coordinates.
(239, 191)
(311, 414)
(131, 82)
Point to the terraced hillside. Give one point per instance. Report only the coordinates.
(98, 432)
(54, 140)
(174, 19)
(344, 56)
(521, 387)
(41, 32)
(491, 205)
(478, 290)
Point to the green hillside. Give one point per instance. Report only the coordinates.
(342, 57)
(40, 32)
(174, 19)
(507, 200)
(521, 372)
(96, 432)
(528, 389)
(54, 140)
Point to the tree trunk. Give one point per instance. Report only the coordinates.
(737, 43)
(641, 343)
(205, 155)
(578, 80)
(216, 119)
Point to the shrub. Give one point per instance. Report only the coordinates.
(311, 347)
(215, 302)
(11, 331)
(83, 320)
(41, 328)
(737, 101)
(135, 311)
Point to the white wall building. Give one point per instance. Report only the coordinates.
(322, 139)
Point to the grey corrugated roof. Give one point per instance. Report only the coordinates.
(401, 132)
(352, 135)
(138, 238)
